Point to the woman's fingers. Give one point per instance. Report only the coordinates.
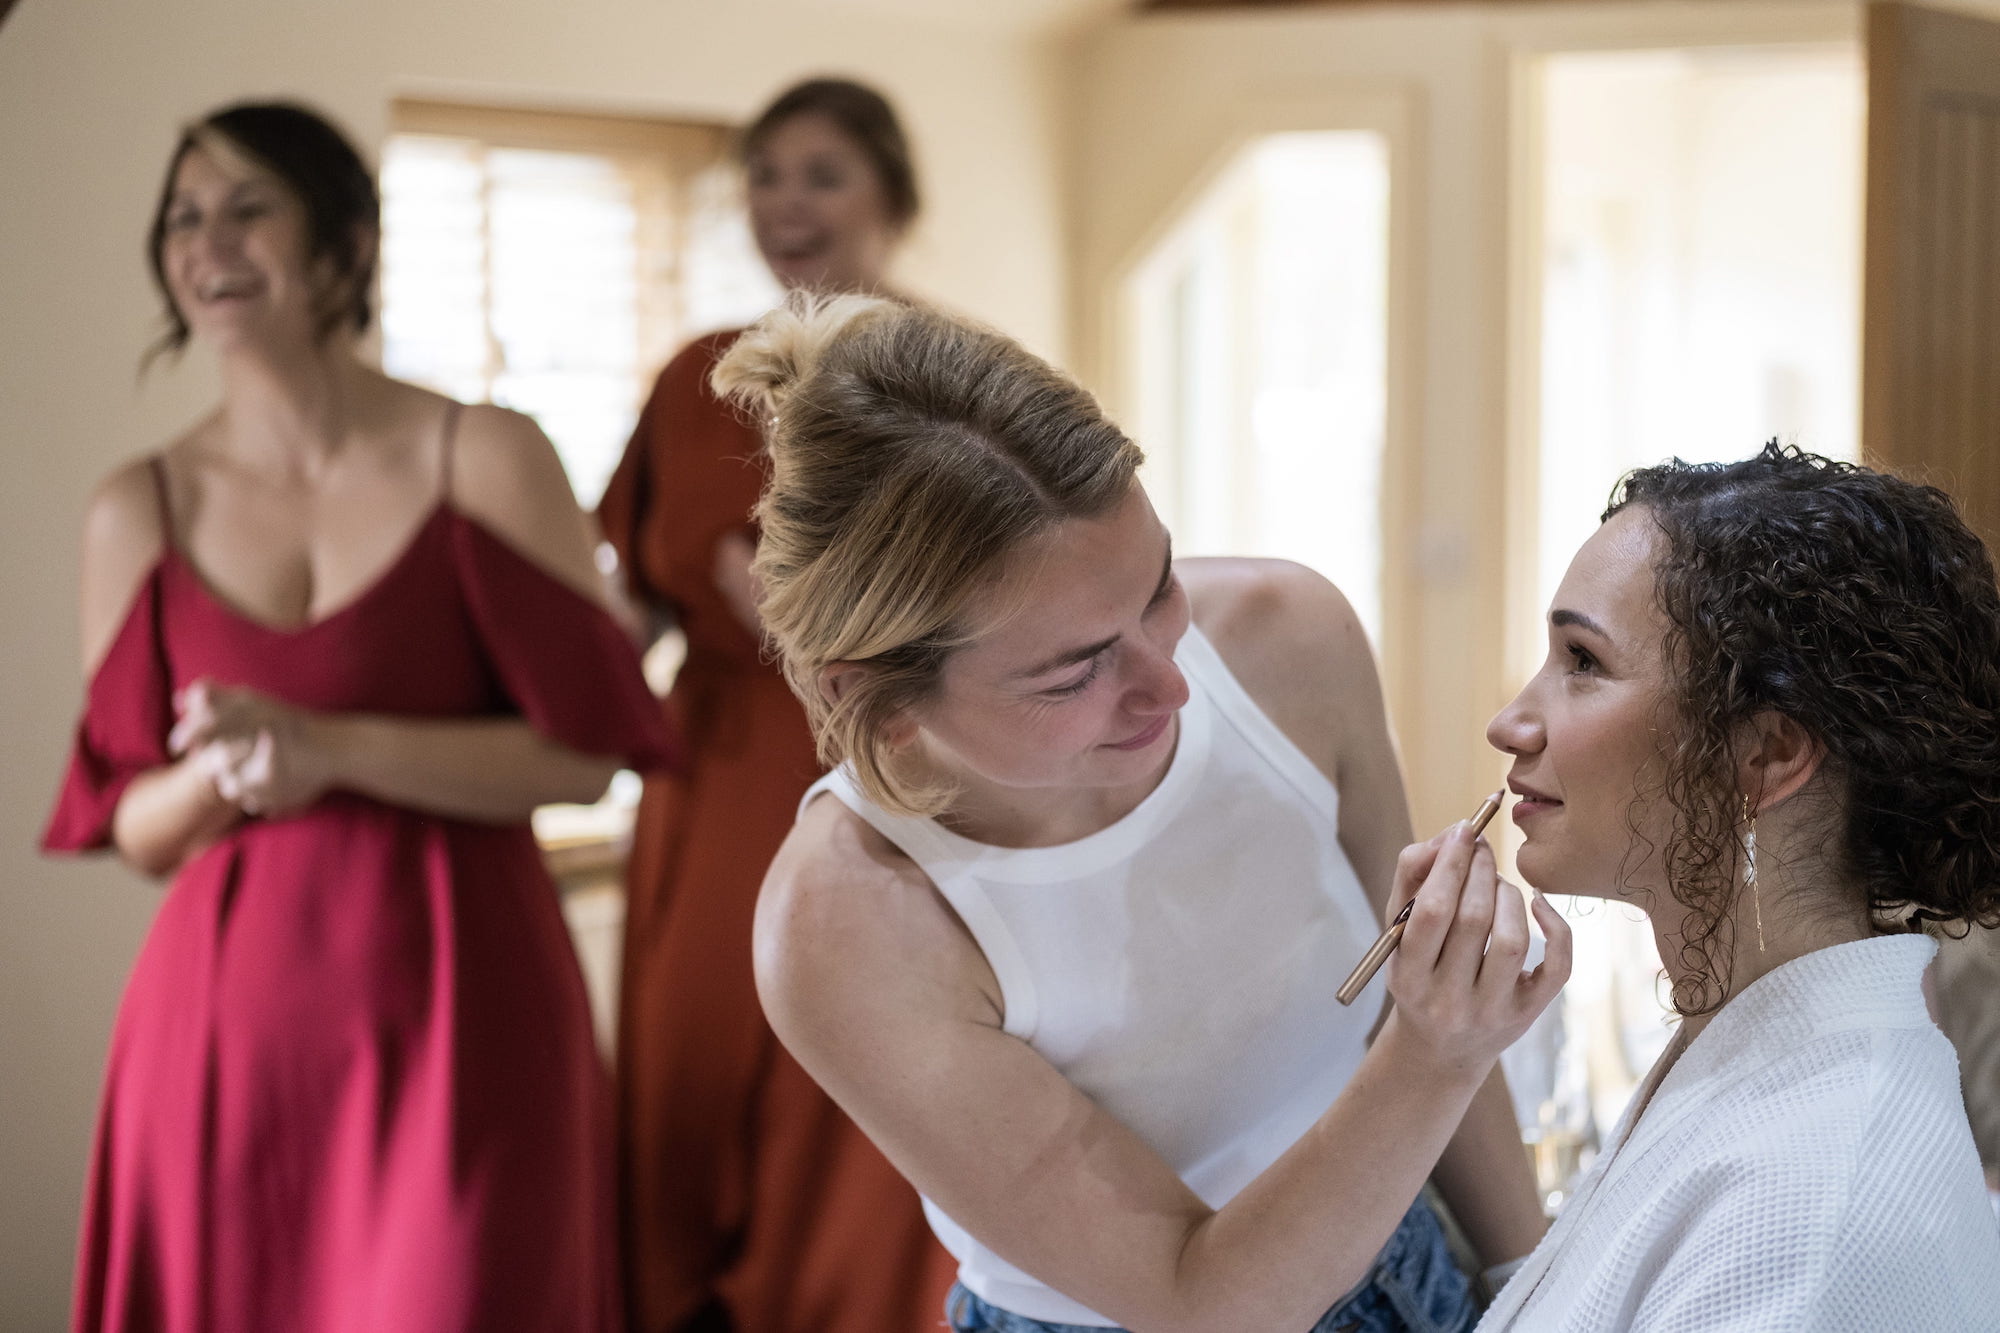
(1412, 864)
(240, 768)
(1552, 972)
(1472, 924)
(1437, 899)
(196, 722)
(211, 712)
(222, 761)
(213, 759)
(1458, 977)
(1507, 947)
(252, 777)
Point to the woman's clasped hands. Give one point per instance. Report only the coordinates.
(1458, 979)
(263, 756)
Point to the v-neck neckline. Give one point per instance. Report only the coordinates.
(367, 592)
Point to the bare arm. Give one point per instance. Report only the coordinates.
(876, 988)
(1486, 1179)
(489, 770)
(1305, 657)
(168, 813)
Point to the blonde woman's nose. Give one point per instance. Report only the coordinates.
(1160, 687)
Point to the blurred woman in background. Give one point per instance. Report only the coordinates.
(750, 1201)
(342, 637)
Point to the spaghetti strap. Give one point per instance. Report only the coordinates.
(157, 465)
(447, 437)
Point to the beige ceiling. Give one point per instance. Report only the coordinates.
(1024, 17)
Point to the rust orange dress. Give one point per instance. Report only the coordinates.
(750, 1202)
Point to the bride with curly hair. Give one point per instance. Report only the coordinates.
(1770, 718)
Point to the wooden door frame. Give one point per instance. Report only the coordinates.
(1899, 380)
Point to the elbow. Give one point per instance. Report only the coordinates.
(151, 860)
(1195, 1302)
(150, 867)
(141, 848)
(1208, 1293)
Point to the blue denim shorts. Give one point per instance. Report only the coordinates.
(1414, 1287)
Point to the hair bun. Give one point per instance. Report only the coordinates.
(764, 366)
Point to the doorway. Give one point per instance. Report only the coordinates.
(1259, 355)
(1690, 272)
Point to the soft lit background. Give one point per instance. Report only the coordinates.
(1378, 284)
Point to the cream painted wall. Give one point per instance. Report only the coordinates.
(1134, 111)
(91, 92)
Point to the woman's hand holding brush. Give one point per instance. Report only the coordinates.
(1457, 977)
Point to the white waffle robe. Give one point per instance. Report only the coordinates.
(1804, 1166)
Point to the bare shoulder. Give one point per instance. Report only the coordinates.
(506, 474)
(123, 514)
(849, 929)
(1277, 604)
(1293, 641)
(123, 538)
(503, 456)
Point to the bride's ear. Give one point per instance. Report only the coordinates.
(1776, 758)
(837, 681)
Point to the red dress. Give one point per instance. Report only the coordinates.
(750, 1201)
(352, 1083)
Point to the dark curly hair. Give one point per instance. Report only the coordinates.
(319, 165)
(1863, 608)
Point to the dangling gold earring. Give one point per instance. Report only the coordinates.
(1750, 869)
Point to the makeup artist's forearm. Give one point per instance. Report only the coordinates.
(166, 815)
(1315, 1222)
(1485, 1178)
(491, 770)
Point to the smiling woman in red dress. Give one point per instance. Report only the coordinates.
(342, 639)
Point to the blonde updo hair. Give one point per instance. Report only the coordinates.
(911, 453)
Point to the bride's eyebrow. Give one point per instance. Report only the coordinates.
(1561, 618)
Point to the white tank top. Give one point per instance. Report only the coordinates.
(1178, 966)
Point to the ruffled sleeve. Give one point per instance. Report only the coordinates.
(681, 482)
(564, 662)
(624, 510)
(128, 712)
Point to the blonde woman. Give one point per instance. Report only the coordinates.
(1062, 930)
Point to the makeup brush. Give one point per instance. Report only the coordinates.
(1378, 952)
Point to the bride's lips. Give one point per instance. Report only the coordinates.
(1146, 737)
(1532, 803)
